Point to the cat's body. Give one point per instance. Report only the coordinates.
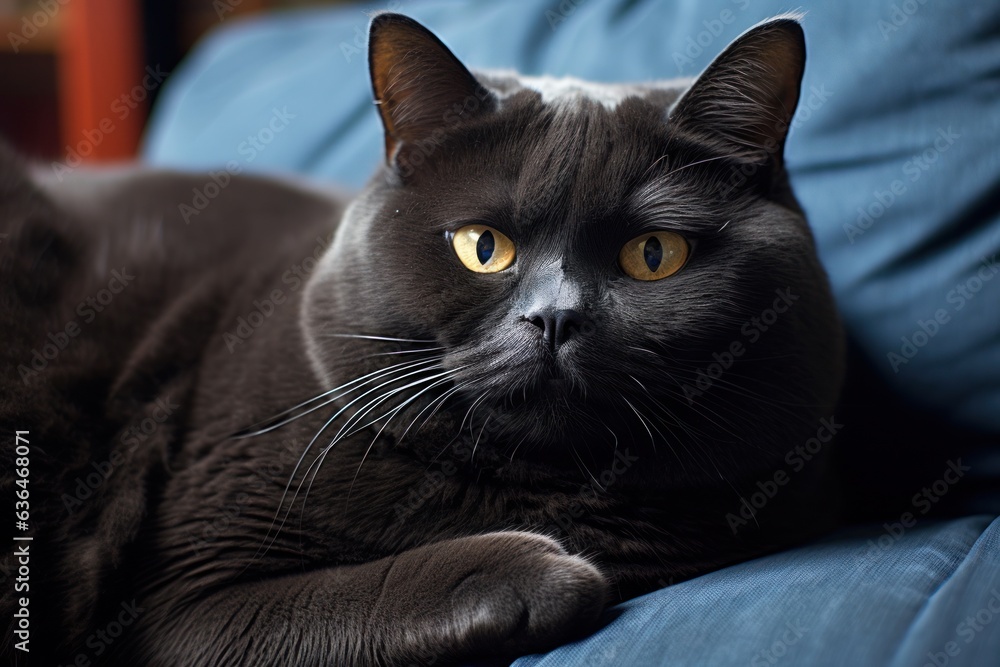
(497, 511)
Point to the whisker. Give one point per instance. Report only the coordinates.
(580, 463)
(439, 402)
(471, 408)
(391, 414)
(371, 405)
(355, 419)
(240, 435)
(393, 411)
(461, 426)
(655, 162)
(614, 454)
(652, 440)
(305, 453)
(386, 354)
(518, 446)
(476, 444)
(385, 338)
(692, 164)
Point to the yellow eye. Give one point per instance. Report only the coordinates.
(654, 256)
(483, 249)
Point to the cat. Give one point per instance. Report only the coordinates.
(541, 363)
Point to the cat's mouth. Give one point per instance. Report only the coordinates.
(533, 397)
(552, 391)
(550, 378)
(552, 373)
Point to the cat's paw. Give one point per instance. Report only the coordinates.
(510, 593)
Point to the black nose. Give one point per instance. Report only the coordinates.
(557, 326)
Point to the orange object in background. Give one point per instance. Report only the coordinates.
(103, 90)
(69, 71)
(75, 85)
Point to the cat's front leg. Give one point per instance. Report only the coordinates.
(494, 595)
(491, 596)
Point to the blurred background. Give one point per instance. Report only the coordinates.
(68, 65)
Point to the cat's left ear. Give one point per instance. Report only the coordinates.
(744, 102)
(420, 87)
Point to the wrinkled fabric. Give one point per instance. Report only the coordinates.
(886, 597)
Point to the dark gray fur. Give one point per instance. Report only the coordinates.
(498, 512)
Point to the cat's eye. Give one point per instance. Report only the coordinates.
(483, 249)
(654, 256)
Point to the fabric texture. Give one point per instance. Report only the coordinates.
(929, 595)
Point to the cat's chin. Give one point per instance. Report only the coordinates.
(549, 415)
(552, 387)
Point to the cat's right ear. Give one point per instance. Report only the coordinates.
(420, 87)
(744, 101)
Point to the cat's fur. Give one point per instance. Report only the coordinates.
(498, 511)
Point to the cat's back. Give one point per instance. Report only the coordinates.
(147, 213)
(114, 285)
(104, 272)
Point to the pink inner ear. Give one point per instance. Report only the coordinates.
(786, 62)
(385, 53)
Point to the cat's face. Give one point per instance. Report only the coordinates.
(582, 262)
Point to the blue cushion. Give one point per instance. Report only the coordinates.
(928, 595)
(893, 151)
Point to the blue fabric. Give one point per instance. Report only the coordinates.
(898, 94)
(929, 595)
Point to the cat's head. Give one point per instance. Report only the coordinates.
(584, 265)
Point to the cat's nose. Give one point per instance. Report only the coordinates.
(557, 326)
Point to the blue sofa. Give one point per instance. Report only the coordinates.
(895, 155)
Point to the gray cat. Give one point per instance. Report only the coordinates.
(531, 370)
